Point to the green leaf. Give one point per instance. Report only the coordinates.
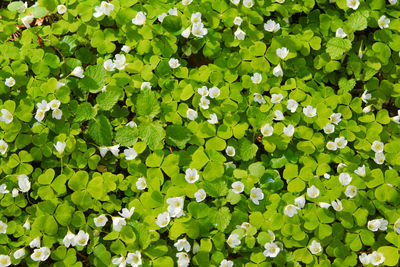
(177, 135)
(78, 181)
(85, 112)
(147, 103)
(172, 24)
(247, 149)
(126, 136)
(303, 255)
(100, 130)
(110, 97)
(39, 12)
(221, 218)
(94, 80)
(358, 20)
(257, 169)
(95, 188)
(391, 255)
(153, 134)
(15, 6)
(336, 47)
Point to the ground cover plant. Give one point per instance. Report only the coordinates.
(199, 133)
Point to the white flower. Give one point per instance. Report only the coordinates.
(367, 109)
(396, 119)
(290, 210)
(345, 178)
(300, 201)
(191, 114)
(61, 9)
(174, 63)
(3, 227)
(377, 146)
(278, 115)
(56, 114)
(23, 183)
(131, 124)
(383, 22)
(277, 71)
(59, 85)
(200, 195)
(126, 49)
(376, 258)
(198, 29)
(393, 2)
(68, 239)
(114, 150)
(237, 21)
(313, 192)
(248, 3)
(282, 52)
(119, 261)
(196, 247)
(396, 226)
(6, 116)
(214, 92)
(173, 11)
(19, 253)
(360, 171)
(351, 191)
(315, 247)
(337, 205)
(329, 128)
(267, 130)
(364, 259)
(341, 142)
(127, 213)
(40, 254)
(239, 34)
(120, 61)
(60, 146)
(277, 98)
(175, 206)
(203, 91)
(256, 195)
(186, 2)
(353, 4)
(141, 183)
(27, 225)
(213, 118)
(163, 219)
(196, 17)
(54, 104)
(23, 8)
(324, 205)
(230, 151)
(377, 224)
(182, 244)
(5, 260)
(183, 259)
(204, 102)
(340, 33)
(259, 98)
(235, 2)
(134, 259)
(292, 105)
(78, 72)
(327, 176)
(3, 189)
(271, 26)
(140, 18)
(27, 20)
(226, 263)
(145, 85)
(191, 175)
(237, 187)
(103, 151)
(109, 65)
(104, 9)
(186, 32)
(40, 114)
(379, 158)
(3, 147)
(233, 240)
(335, 118)
(130, 154)
(118, 222)
(271, 250)
(256, 78)
(365, 96)
(10, 82)
(309, 111)
(100, 221)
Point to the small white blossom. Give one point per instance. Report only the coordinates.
(120, 61)
(6, 116)
(233, 240)
(100, 221)
(174, 63)
(3, 189)
(237, 187)
(196, 17)
(259, 98)
(340, 33)
(186, 33)
(175, 206)
(290, 210)
(237, 21)
(310, 111)
(10, 82)
(235, 2)
(256, 195)
(3, 227)
(341, 142)
(360, 171)
(40, 254)
(337, 205)
(276, 98)
(27, 20)
(182, 244)
(183, 259)
(364, 259)
(214, 92)
(379, 158)
(267, 130)
(226, 263)
(396, 226)
(191, 175)
(335, 118)
(392, 2)
(130, 153)
(139, 19)
(173, 11)
(27, 225)
(103, 151)
(282, 52)
(256, 78)
(377, 258)
(248, 3)
(313, 192)
(315, 247)
(377, 146)
(383, 22)
(203, 91)
(186, 2)
(200, 195)
(292, 105)
(104, 8)
(118, 222)
(191, 114)
(126, 49)
(61, 9)
(68, 239)
(145, 85)
(23, 183)
(19, 253)
(239, 34)
(365, 96)
(199, 30)
(204, 102)
(78, 72)
(324, 205)
(300, 202)
(141, 183)
(134, 259)
(345, 178)
(271, 250)
(278, 115)
(230, 151)
(351, 191)
(163, 219)
(272, 26)
(114, 150)
(329, 128)
(57, 114)
(40, 114)
(353, 4)
(54, 104)
(127, 213)
(60, 146)
(277, 71)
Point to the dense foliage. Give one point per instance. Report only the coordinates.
(199, 133)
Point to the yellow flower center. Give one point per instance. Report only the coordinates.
(135, 259)
(4, 261)
(82, 241)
